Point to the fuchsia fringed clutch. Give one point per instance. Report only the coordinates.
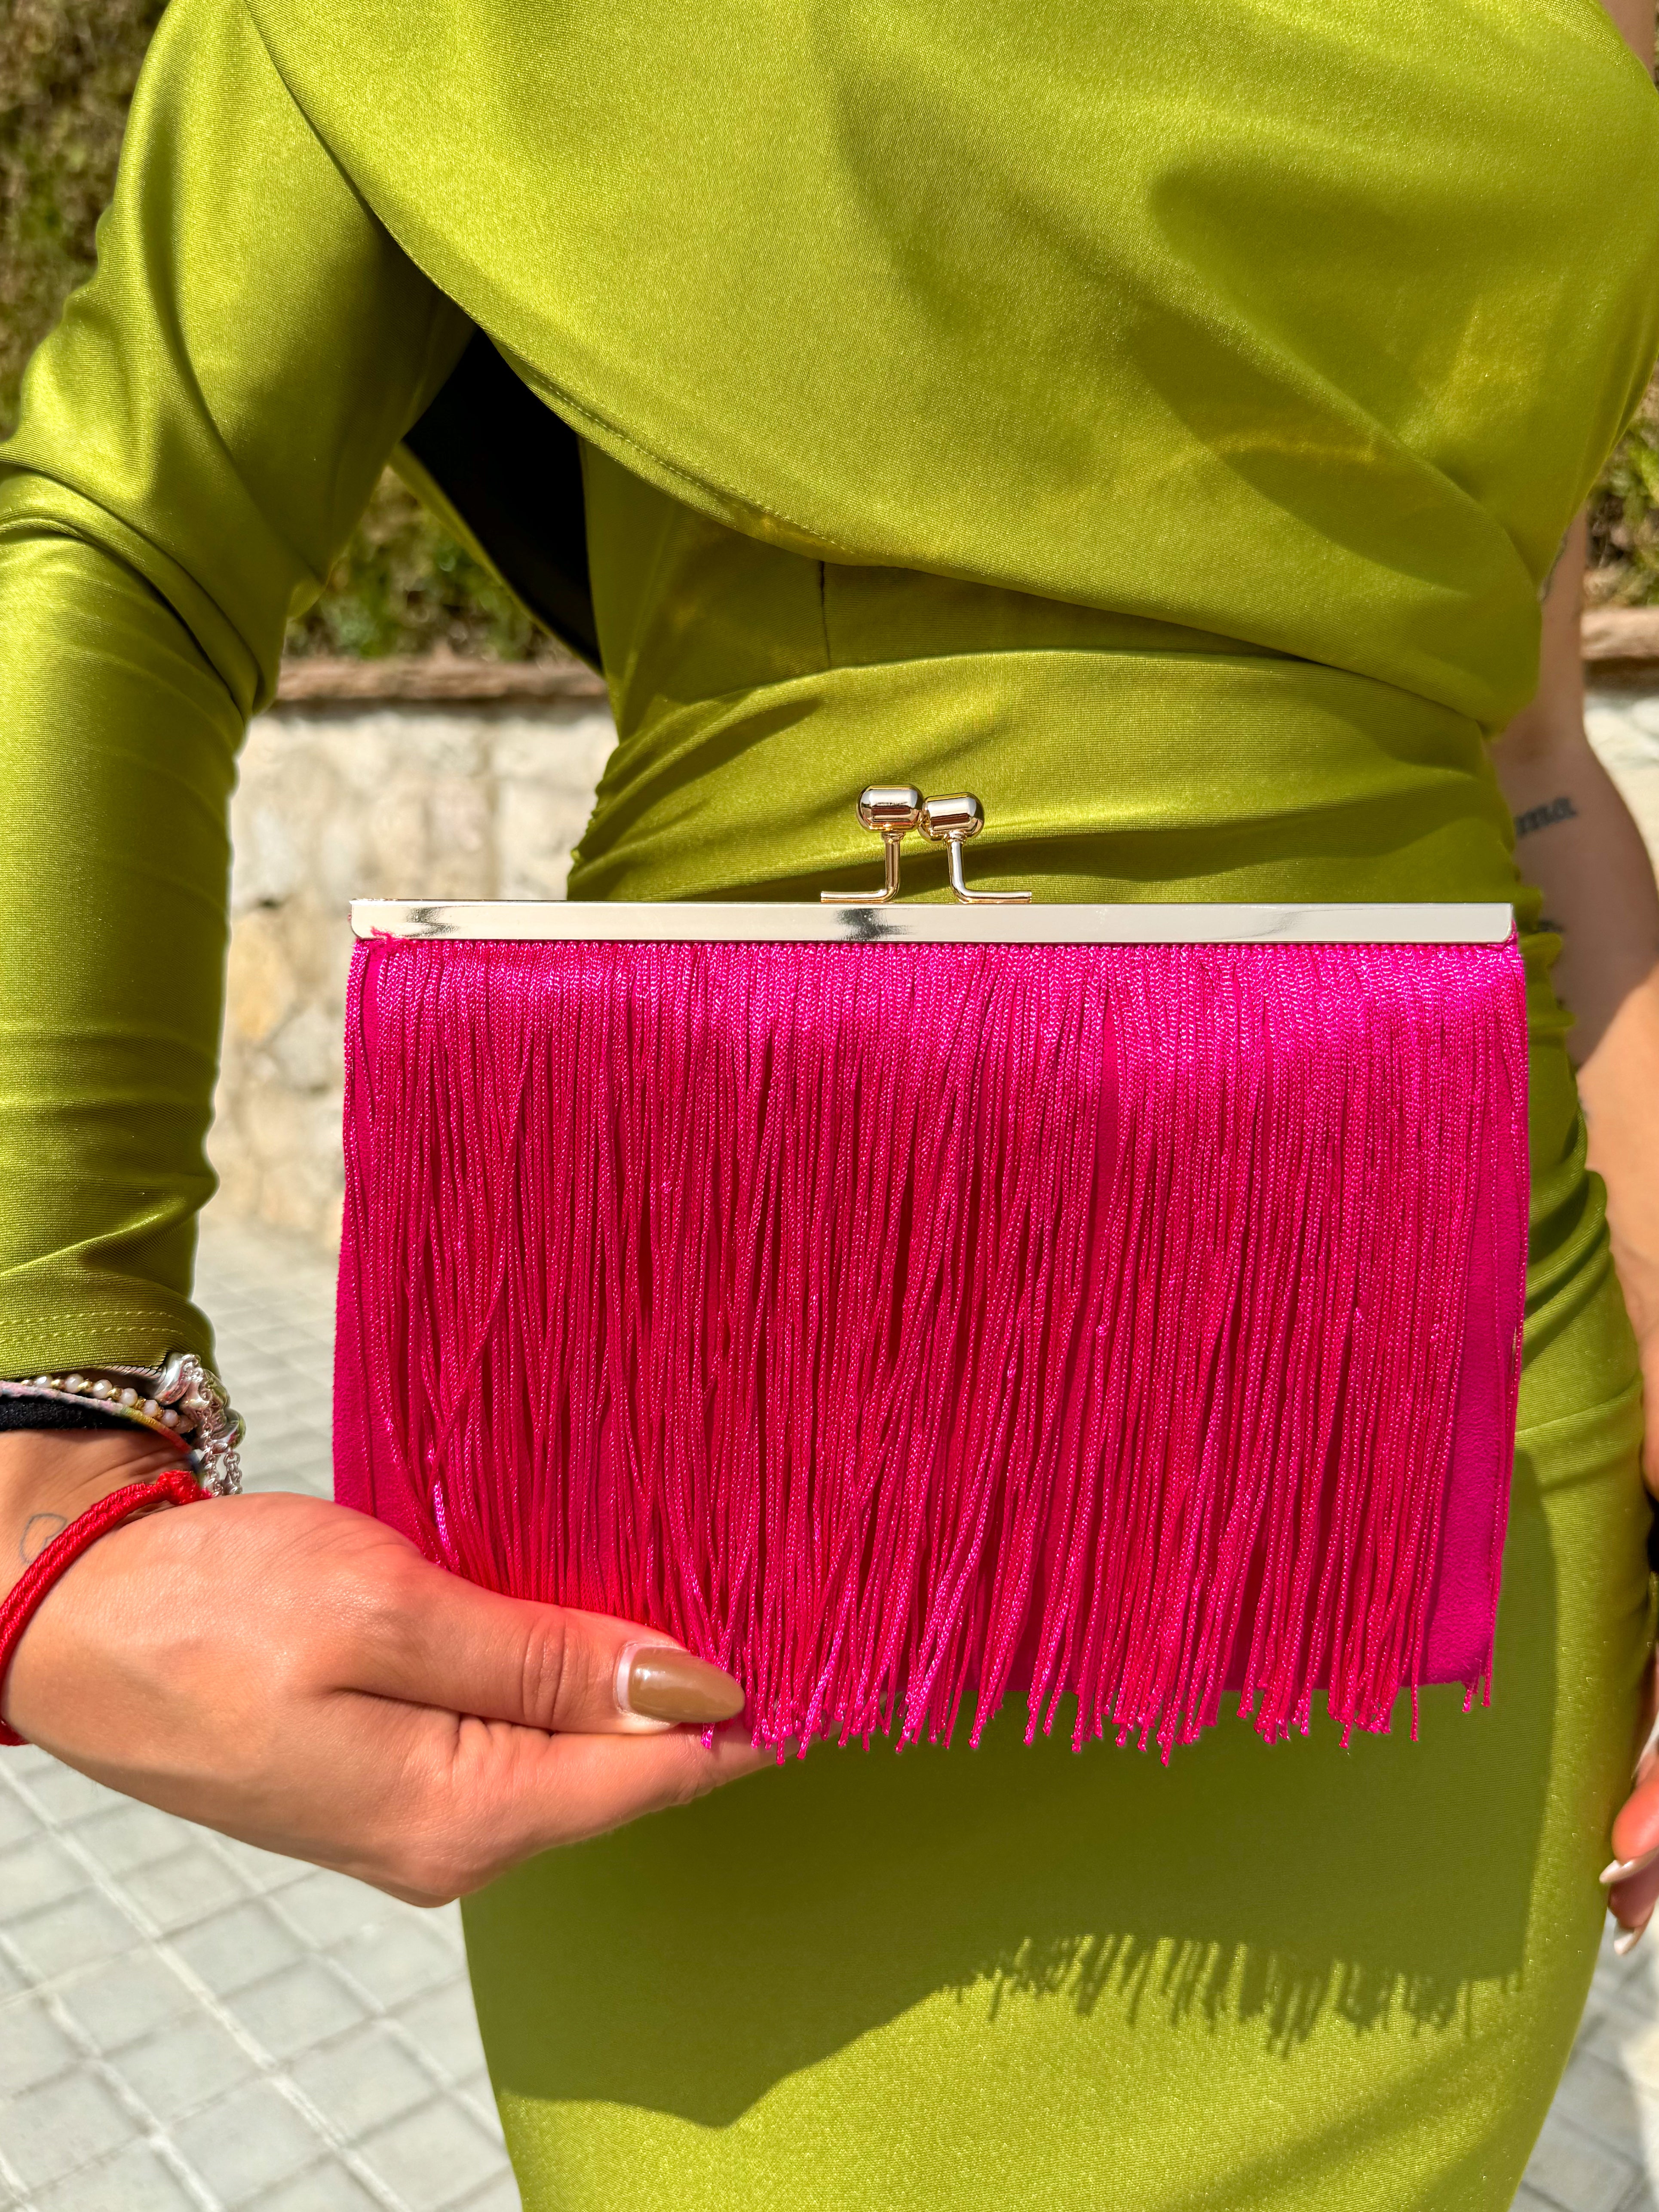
(907, 1304)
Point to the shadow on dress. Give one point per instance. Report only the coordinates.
(692, 1961)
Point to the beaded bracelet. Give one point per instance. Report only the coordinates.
(176, 1485)
(181, 1400)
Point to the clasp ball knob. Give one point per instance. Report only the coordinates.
(945, 819)
(889, 807)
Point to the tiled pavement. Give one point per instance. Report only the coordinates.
(1599, 2151)
(186, 2022)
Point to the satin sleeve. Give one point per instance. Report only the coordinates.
(197, 439)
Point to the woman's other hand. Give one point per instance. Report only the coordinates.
(293, 1673)
(1632, 1876)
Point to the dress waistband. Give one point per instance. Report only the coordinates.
(1103, 775)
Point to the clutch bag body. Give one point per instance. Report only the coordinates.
(904, 1306)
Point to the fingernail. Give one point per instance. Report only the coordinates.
(658, 1682)
(1627, 1939)
(1622, 1870)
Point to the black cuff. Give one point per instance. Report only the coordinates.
(47, 1414)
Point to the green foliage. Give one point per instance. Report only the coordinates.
(67, 70)
(404, 586)
(1623, 517)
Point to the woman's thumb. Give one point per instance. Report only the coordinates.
(436, 1640)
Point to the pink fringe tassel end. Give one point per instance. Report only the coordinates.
(902, 1325)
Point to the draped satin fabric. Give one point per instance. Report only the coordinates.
(1163, 424)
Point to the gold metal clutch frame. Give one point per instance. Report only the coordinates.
(642, 921)
(973, 917)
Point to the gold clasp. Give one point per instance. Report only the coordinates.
(950, 823)
(890, 809)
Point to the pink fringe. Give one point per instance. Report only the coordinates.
(899, 1325)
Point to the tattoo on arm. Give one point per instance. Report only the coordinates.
(37, 1532)
(1542, 818)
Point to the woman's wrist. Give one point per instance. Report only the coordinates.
(181, 1401)
(50, 1477)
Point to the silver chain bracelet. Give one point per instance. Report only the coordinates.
(181, 1400)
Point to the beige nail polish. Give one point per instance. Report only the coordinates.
(1622, 1870)
(658, 1682)
(1627, 1939)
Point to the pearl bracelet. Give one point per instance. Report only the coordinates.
(181, 1400)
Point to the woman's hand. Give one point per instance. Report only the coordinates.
(1633, 1877)
(293, 1673)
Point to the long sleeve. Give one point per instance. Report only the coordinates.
(198, 438)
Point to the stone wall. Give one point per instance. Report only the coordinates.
(341, 800)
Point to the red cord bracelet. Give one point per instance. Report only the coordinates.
(176, 1487)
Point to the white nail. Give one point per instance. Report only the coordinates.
(634, 1723)
(1627, 1939)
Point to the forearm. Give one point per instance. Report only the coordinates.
(47, 1479)
(197, 437)
(116, 756)
(1600, 896)
(1619, 1086)
(1576, 842)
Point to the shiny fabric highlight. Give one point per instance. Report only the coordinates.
(898, 1326)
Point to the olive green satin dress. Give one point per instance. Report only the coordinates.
(1162, 425)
